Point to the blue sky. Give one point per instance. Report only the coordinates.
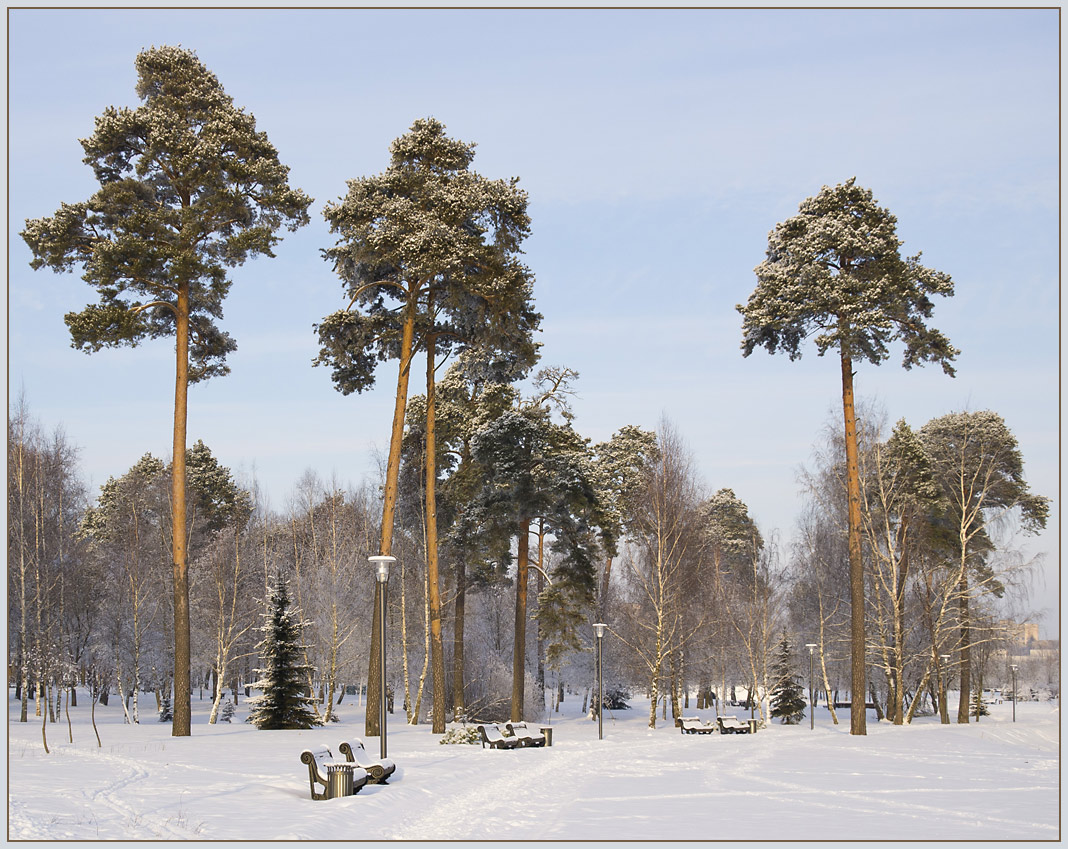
(658, 147)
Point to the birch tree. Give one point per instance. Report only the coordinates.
(665, 531)
(979, 467)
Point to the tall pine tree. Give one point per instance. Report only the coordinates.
(835, 271)
(283, 676)
(189, 188)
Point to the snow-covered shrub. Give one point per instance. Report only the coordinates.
(467, 734)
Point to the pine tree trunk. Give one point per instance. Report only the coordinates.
(964, 707)
(858, 718)
(181, 727)
(437, 652)
(602, 598)
(519, 649)
(389, 505)
(539, 648)
(458, 639)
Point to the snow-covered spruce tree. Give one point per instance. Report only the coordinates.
(283, 677)
(787, 695)
(835, 270)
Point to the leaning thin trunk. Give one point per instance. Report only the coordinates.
(426, 656)
(182, 691)
(857, 719)
(92, 716)
(44, 730)
(437, 652)
(898, 683)
(519, 649)
(389, 504)
(404, 647)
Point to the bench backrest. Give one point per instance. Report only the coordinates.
(733, 721)
(321, 755)
(492, 732)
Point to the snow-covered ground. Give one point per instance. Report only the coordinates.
(994, 780)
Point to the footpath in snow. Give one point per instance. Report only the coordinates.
(992, 780)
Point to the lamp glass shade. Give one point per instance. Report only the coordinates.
(381, 563)
(598, 629)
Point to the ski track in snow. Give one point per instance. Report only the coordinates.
(125, 772)
(100, 811)
(494, 808)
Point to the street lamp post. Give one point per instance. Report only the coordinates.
(1013, 667)
(381, 564)
(811, 691)
(598, 629)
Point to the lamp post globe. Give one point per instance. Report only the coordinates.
(381, 564)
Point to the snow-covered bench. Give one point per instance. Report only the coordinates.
(524, 735)
(321, 763)
(491, 736)
(377, 770)
(733, 725)
(694, 725)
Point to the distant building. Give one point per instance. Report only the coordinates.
(1021, 634)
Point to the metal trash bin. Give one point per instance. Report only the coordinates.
(548, 732)
(338, 780)
(752, 726)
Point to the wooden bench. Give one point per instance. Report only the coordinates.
(733, 725)
(377, 770)
(491, 736)
(321, 763)
(524, 735)
(694, 725)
